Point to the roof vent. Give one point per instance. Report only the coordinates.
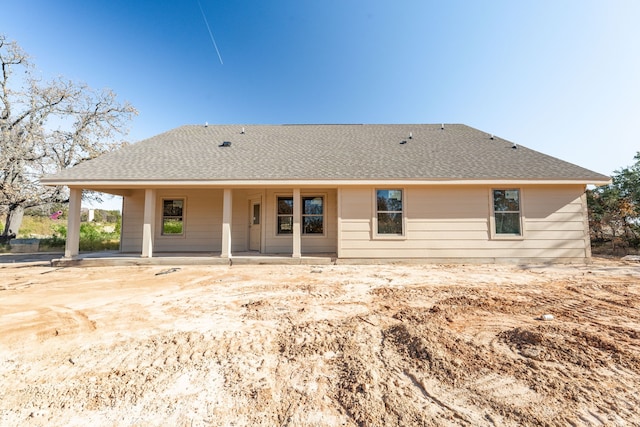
(514, 146)
(403, 142)
(442, 126)
(242, 131)
(206, 124)
(410, 135)
(225, 144)
(491, 136)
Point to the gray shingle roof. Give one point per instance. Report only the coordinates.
(324, 152)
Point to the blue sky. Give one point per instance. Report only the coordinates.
(558, 76)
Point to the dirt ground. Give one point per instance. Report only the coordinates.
(386, 345)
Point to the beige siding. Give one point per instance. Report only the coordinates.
(441, 222)
(454, 223)
(132, 217)
(202, 222)
(239, 222)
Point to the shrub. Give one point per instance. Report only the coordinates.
(92, 237)
(57, 240)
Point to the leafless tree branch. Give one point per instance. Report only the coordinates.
(49, 126)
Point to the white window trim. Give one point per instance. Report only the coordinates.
(492, 216)
(302, 234)
(374, 220)
(160, 227)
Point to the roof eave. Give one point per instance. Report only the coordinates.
(89, 184)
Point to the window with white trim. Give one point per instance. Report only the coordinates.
(389, 212)
(507, 212)
(172, 217)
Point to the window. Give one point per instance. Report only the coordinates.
(389, 211)
(506, 211)
(256, 214)
(312, 215)
(172, 217)
(285, 215)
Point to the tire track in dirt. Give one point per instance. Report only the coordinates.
(42, 323)
(389, 346)
(133, 375)
(535, 345)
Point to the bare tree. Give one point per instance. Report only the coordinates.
(46, 127)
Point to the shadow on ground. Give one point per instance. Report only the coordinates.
(29, 257)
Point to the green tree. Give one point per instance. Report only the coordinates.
(614, 210)
(46, 127)
(627, 181)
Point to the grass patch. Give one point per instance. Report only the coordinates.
(37, 227)
(94, 236)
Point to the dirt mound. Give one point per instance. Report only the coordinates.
(341, 345)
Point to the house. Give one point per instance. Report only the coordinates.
(441, 193)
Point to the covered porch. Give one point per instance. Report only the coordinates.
(254, 225)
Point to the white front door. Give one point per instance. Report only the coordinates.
(254, 225)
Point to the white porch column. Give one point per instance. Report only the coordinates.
(296, 224)
(226, 223)
(148, 222)
(72, 246)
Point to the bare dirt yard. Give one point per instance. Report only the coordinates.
(378, 345)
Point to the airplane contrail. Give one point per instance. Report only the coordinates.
(210, 33)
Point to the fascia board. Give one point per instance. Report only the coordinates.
(90, 184)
